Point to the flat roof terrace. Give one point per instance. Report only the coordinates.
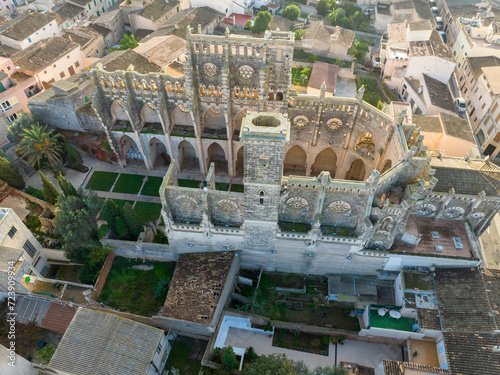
(448, 235)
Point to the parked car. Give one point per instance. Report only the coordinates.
(443, 35)
(432, 4)
(435, 11)
(460, 103)
(439, 22)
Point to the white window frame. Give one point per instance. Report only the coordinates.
(9, 104)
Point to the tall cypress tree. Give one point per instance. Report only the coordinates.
(67, 188)
(110, 212)
(133, 224)
(121, 229)
(49, 190)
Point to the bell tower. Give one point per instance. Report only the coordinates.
(264, 136)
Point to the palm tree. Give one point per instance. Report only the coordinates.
(38, 143)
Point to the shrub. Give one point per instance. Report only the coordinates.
(37, 193)
(250, 354)
(313, 58)
(161, 287)
(299, 34)
(44, 355)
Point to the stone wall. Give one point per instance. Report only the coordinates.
(103, 275)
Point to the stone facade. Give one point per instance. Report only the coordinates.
(328, 181)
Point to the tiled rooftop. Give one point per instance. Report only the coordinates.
(407, 368)
(103, 343)
(59, 316)
(472, 353)
(466, 177)
(462, 299)
(428, 319)
(197, 285)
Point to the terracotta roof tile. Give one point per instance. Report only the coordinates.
(59, 316)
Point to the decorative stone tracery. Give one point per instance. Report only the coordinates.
(186, 201)
(246, 71)
(453, 212)
(334, 123)
(297, 202)
(339, 207)
(300, 121)
(210, 69)
(426, 209)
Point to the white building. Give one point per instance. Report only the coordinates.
(18, 247)
(427, 95)
(50, 60)
(474, 41)
(229, 7)
(29, 29)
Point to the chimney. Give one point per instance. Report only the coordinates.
(176, 26)
(199, 28)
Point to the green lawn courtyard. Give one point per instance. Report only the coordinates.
(147, 211)
(120, 290)
(128, 184)
(101, 181)
(152, 187)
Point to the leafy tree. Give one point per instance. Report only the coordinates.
(44, 355)
(359, 19)
(127, 42)
(39, 144)
(270, 365)
(292, 12)
(134, 225)
(261, 22)
(299, 34)
(300, 368)
(305, 74)
(229, 360)
(359, 48)
(76, 223)
(95, 258)
(67, 188)
(110, 212)
(336, 16)
(323, 7)
(121, 229)
(10, 174)
(15, 130)
(49, 190)
(313, 58)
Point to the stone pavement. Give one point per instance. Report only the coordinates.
(363, 353)
(129, 197)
